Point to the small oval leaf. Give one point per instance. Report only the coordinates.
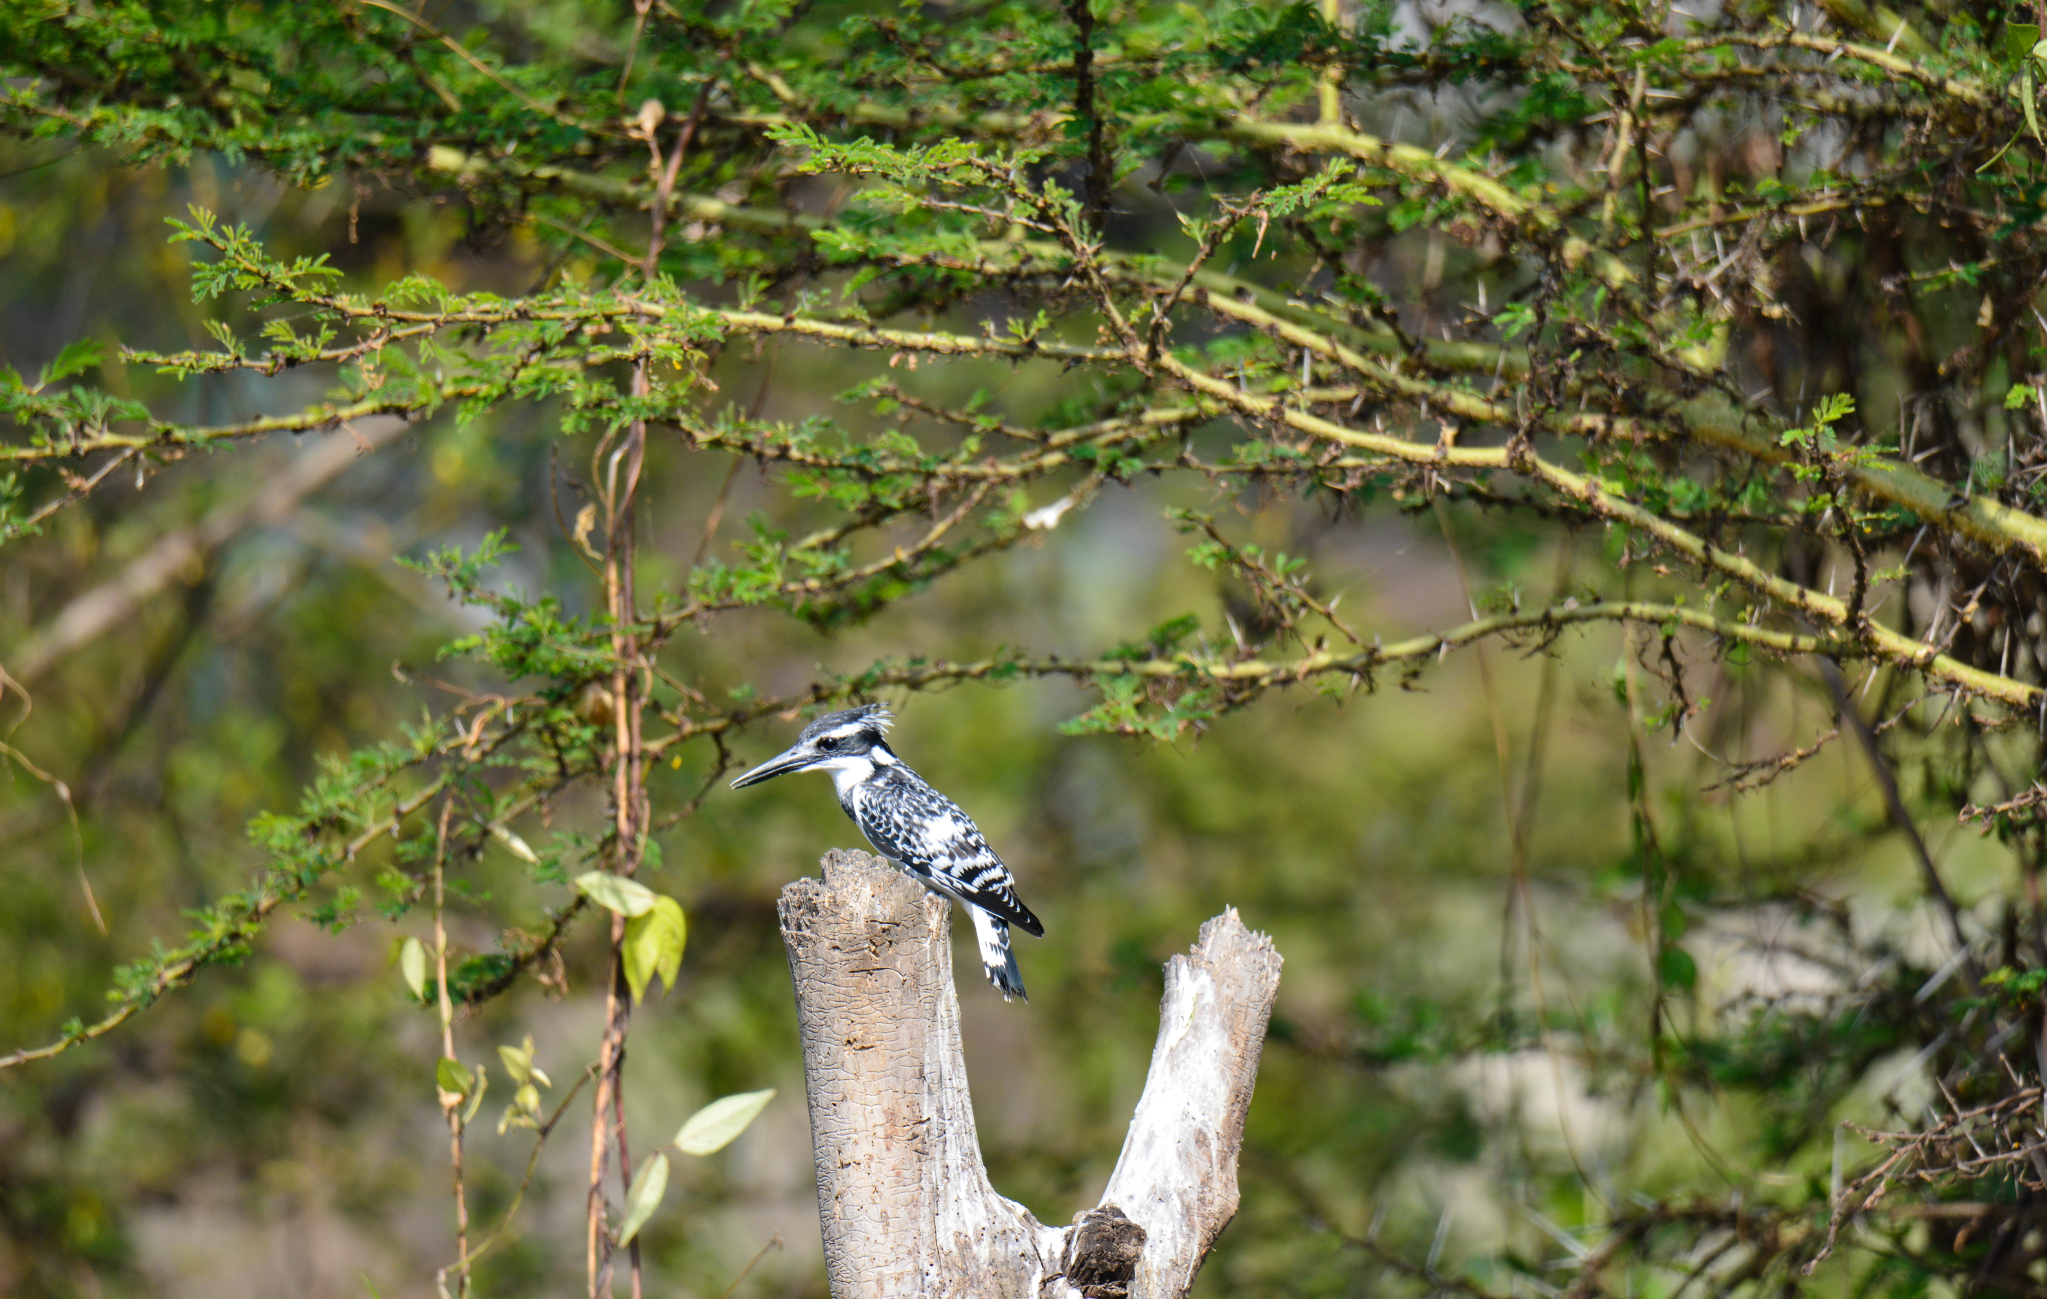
(510, 839)
(412, 964)
(452, 1077)
(518, 1060)
(616, 893)
(476, 1097)
(649, 1185)
(712, 1128)
(653, 945)
(1676, 968)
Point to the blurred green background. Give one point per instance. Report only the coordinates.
(1462, 1069)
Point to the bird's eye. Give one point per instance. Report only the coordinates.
(828, 742)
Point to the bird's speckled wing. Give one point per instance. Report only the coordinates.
(929, 834)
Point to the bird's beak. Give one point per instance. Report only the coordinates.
(795, 759)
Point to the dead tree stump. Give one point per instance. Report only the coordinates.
(904, 1199)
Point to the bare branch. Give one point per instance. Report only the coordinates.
(178, 552)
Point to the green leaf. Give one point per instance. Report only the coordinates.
(616, 893)
(653, 945)
(81, 355)
(476, 1097)
(2019, 40)
(453, 1077)
(1676, 968)
(649, 1185)
(712, 1128)
(520, 848)
(519, 1063)
(523, 1112)
(412, 964)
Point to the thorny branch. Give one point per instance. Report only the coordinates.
(1671, 353)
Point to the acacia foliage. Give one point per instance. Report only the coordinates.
(1748, 295)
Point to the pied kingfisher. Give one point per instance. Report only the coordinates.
(919, 829)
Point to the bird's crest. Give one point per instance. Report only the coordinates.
(875, 717)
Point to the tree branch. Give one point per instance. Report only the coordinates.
(112, 602)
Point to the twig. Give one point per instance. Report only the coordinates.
(1901, 817)
(113, 602)
(540, 1136)
(451, 1102)
(774, 1242)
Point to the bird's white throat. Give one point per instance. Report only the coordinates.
(849, 770)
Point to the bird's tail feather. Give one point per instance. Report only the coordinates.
(991, 934)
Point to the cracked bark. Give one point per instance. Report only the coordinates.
(903, 1196)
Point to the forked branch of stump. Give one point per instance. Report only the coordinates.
(903, 1196)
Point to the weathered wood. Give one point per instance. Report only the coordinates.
(903, 1196)
(1177, 1174)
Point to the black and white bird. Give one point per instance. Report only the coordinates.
(919, 829)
